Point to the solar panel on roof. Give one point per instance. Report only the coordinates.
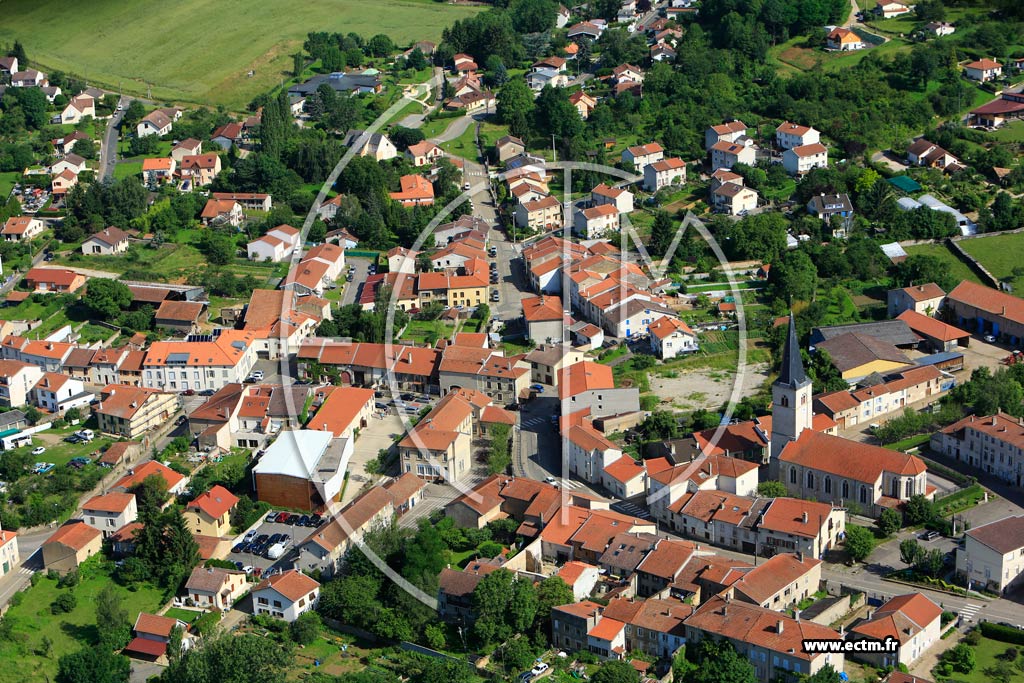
(177, 357)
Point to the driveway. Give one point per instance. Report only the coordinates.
(358, 278)
(379, 434)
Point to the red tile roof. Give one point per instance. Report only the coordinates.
(992, 301)
(111, 502)
(154, 624)
(75, 535)
(147, 469)
(584, 376)
(850, 459)
(292, 584)
(215, 502)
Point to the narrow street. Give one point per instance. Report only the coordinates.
(108, 150)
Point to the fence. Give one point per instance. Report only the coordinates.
(356, 253)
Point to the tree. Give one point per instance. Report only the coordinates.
(771, 489)
(918, 510)
(793, 277)
(306, 628)
(231, 659)
(93, 665)
(718, 662)
(663, 231)
(534, 16)
(219, 249)
(826, 674)
(112, 618)
(960, 658)
(106, 299)
(380, 45)
(931, 562)
(515, 106)
(18, 50)
(889, 522)
(150, 495)
(551, 592)
(504, 605)
(859, 542)
(616, 671)
(416, 60)
(445, 670)
(910, 552)
(660, 425)
(518, 653)
(133, 113)
(298, 64)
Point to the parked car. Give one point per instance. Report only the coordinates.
(282, 517)
(303, 520)
(249, 535)
(929, 535)
(207, 392)
(540, 668)
(189, 392)
(239, 548)
(38, 450)
(271, 517)
(262, 538)
(990, 338)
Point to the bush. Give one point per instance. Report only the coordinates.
(489, 549)
(64, 603)
(69, 580)
(306, 628)
(1005, 634)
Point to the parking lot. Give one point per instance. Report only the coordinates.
(296, 534)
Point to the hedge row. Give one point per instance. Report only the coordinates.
(1006, 634)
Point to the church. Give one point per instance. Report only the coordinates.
(812, 464)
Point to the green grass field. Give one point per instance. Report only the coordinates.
(1000, 254)
(197, 51)
(957, 268)
(7, 181)
(23, 655)
(1011, 132)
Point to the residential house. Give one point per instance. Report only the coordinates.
(463, 63)
(596, 222)
(730, 131)
(800, 160)
(913, 621)
(10, 557)
(541, 214)
(65, 145)
(984, 310)
(889, 9)
(188, 147)
(57, 393)
(456, 587)
(585, 30)
(286, 595)
(781, 582)
(590, 385)
(77, 109)
(789, 135)
(250, 201)
(228, 135)
(71, 545)
(209, 513)
(993, 555)
(983, 70)
(28, 78)
(924, 153)
(215, 588)
(158, 170)
(891, 395)
(16, 381)
(200, 169)
(19, 228)
(62, 183)
(156, 122)
(571, 624)
(642, 155)
(509, 146)
(277, 245)
(221, 212)
(375, 145)
(733, 198)
(109, 512)
(351, 83)
(424, 153)
(152, 634)
(69, 162)
(580, 577)
(326, 546)
(939, 28)
(589, 452)
(827, 206)
(769, 640)
(583, 102)
(106, 242)
(202, 363)
(671, 337)
(725, 154)
(843, 39)
(45, 280)
(925, 299)
(8, 66)
(544, 316)
(174, 481)
(438, 447)
(992, 443)
(620, 198)
(132, 411)
(416, 190)
(664, 173)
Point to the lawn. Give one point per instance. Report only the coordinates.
(426, 331)
(1011, 132)
(793, 54)
(115, 44)
(986, 656)
(1000, 254)
(166, 263)
(30, 620)
(7, 181)
(185, 615)
(127, 169)
(957, 268)
(30, 310)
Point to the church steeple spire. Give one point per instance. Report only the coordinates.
(792, 373)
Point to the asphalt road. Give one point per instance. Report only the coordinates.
(108, 152)
(351, 293)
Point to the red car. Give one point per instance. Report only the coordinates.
(282, 518)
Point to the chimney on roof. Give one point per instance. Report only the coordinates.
(804, 517)
(796, 615)
(779, 626)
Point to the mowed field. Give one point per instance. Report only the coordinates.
(1001, 255)
(199, 51)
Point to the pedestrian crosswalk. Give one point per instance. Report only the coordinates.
(571, 484)
(969, 611)
(26, 571)
(632, 509)
(534, 421)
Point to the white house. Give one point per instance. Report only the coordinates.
(913, 621)
(725, 154)
(57, 393)
(77, 109)
(595, 222)
(889, 9)
(154, 123)
(18, 228)
(730, 131)
(993, 554)
(277, 245)
(664, 173)
(789, 135)
(286, 595)
(641, 155)
(16, 381)
(983, 70)
(940, 28)
(110, 512)
(621, 198)
(671, 337)
(800, 160)
(106, 242)
(590, 452)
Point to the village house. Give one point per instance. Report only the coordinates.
(188, 147)
(733, 198)
(671, 337)
(77, 109)
(983, 70)
(174, 481)
(250, 201)
(424, 153)
(889, 9)
(209, 513)
(158, 170)
(110, 512)
(925, 299)
(590, 385)
(913, 621)
(620, 198)
(277, 245)
(843, 39)
(44, 280)
(375, 145)
(416, 190)
(156, 122)
(200, 170)
(730, 131)
(222, 212)
(642, 155)
(228, 135)
(596, 222)
(583, 102)
(29, 78)
(781, 582)
(663, 173)
(19, 228)
(152, 633)
(924, 153)
(286, 595)
(57, 393)
(132, 411)
(215, 588)
(993, 555)
(509, 146)
(16, 381)
(800, 160)
(725, 154)
(326, 546)
(541, 214)
(71, 545)
(789, 135)
(106, 242)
